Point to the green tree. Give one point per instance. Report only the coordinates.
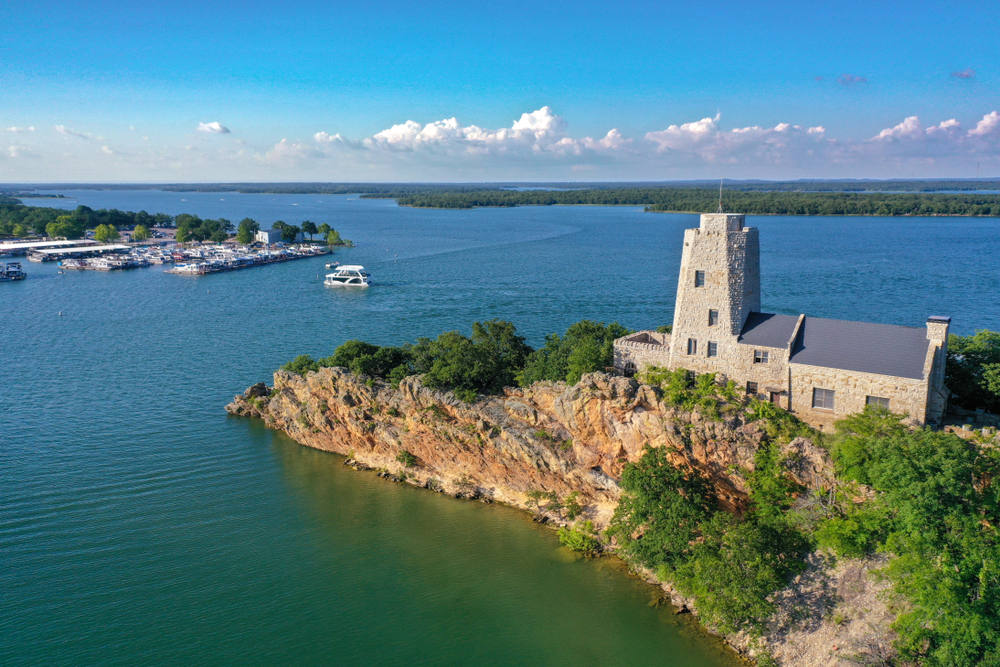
(106, 234)
(586, 347)
(972, 372)
(323, 230)
(141, 233)
(333, 237)
(301, 365)
(309, 227)
(220, 236)
(289, 232)
(246, 231)
(20, 230)
(346, 353)
(182, 235)
(660, 511)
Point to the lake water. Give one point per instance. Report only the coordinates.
(139, 524)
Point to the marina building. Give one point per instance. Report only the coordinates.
(820, 369)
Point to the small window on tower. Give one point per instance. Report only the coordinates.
(760, 356)
(713, 318)
(699, 278)
(692, 346)
(751, 388)
(713, 349)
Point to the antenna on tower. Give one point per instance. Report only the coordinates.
(720, 196)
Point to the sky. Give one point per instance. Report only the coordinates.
(107, 91)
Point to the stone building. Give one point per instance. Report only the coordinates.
(820, 369)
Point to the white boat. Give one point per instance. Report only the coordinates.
(348, 275)
(11, 271)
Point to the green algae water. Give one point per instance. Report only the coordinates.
(140, 525)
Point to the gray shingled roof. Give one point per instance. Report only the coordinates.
(884, 349)
(768, 330)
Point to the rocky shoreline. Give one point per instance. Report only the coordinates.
(552, 440)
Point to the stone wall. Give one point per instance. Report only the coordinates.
(850, 391)
(641, 350)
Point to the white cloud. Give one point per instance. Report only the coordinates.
(987, 125)
(214, 127)
(945, 127)
(910, 127)
(66, 132)
(681, 137)
(21, 129)
(536, 145)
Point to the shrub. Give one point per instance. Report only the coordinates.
(301, 365)
(407, 459)
(580, 537)
(348, 352)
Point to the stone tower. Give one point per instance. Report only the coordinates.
(718, 287)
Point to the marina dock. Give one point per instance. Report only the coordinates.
(231, 259)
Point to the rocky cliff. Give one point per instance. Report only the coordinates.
(549, 437)
(560, 439)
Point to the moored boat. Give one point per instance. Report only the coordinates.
(12, 271)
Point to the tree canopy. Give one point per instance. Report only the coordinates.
(106, 233)
(700, 199)
(246, 231)
(141, 233)
(586, 347)
(973, 370)
(193, 228)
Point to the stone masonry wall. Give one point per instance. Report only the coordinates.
(642, 349)
(731, 263)
(850, 391)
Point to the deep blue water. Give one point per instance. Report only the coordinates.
(141, 525)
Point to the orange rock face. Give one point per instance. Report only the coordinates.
(549, 437)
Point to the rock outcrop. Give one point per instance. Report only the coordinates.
(550, 437)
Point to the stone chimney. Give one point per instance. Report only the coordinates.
(937, 328)
(937, 392)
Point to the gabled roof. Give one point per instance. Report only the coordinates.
(883, 349)
(768, 330)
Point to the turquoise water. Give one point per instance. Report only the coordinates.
(141, 525)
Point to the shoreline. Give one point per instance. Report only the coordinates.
(500, 448)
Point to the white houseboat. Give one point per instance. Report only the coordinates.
(348, 275)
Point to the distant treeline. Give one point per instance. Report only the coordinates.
(392, 189)
(704, 200)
